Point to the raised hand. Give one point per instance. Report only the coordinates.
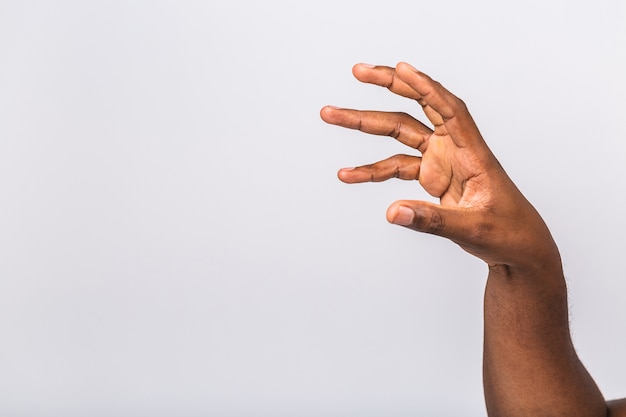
(480, 207)
(530, 366)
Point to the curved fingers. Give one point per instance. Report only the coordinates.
(387, 77)
(404, 167)
(400, 126)
(384, 77)
(439, 102)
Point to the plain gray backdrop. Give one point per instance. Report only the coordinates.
(173, 238)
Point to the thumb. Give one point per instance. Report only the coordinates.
(457, 224)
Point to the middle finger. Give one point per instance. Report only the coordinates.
(400, 126)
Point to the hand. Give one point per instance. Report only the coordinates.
(480, 208)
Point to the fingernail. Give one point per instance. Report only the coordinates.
(333, 107)
(367, 65)
(347, 169)
(404, 216)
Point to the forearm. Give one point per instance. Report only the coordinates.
(617, 408)
(530, 366)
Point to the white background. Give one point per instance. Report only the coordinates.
(174, 241)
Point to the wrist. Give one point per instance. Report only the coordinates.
(539, 271)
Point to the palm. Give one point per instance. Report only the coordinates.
(450, 173)
(437, 170)
(449, 167)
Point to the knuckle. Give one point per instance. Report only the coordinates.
(456, 107)
(436, 224)
(396, 130)
(392, 80)
(430, 221)
(461, 107)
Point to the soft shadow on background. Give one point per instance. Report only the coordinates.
(174, 241)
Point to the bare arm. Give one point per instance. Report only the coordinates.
(617, 408)
(530, 365)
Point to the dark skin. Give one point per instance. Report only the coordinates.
(530, 367)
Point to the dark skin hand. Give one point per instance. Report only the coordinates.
(481, 209)
(530, 367)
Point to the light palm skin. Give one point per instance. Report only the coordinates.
(530, 367)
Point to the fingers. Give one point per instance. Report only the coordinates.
(443, 108)
(445, 111)
(404, 167)
(388, 77)
(430, 91)
(400, 126)
(461, 225)
(384, 77)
